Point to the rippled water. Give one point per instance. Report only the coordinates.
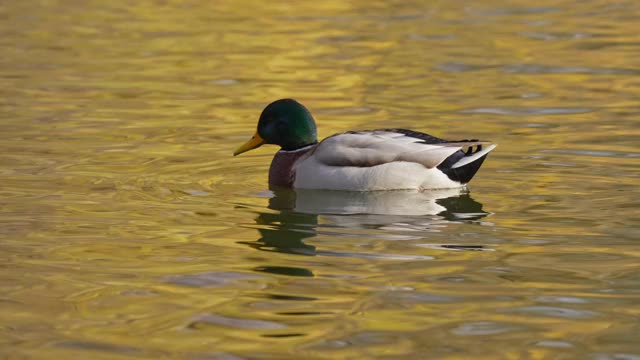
(129, 230)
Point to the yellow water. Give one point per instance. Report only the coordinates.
(129, 231)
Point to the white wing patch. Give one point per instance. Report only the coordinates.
(380, 147)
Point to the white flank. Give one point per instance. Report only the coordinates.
(312, 174)
(471, 158)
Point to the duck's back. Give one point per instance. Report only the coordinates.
(389, 159)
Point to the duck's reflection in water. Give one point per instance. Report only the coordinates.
(383, 214)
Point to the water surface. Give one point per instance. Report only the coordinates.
(129, 231)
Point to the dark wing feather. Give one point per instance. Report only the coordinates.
(462, 174)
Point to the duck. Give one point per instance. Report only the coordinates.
(365, 160)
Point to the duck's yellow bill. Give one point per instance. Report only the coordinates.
(256, 141)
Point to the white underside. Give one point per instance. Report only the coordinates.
(397, 175)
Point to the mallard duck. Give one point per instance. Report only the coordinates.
(383, 159)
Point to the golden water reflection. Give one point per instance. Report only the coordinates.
(300, 212)
(127, 229)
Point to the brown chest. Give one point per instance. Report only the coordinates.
(282, 171)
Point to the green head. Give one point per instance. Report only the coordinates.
(284, 122)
